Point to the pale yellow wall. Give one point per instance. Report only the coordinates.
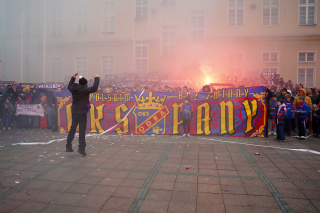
(220, 39)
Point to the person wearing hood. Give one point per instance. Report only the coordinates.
(80, 107)
(289, 118)
(279, 120)
(302, 92)
(302, 113)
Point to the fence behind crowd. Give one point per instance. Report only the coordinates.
(239, 112)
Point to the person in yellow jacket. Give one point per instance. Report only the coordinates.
(303, 92)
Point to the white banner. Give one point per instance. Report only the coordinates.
(31, 110)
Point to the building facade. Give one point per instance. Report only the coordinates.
(50, 40)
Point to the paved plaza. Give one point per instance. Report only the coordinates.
(158, 174)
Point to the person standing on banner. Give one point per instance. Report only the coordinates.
(80, 107)
(187, 116)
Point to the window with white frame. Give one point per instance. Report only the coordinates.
(270, 12)
(56, 69)
(82, 17)
(235, 58)
(168, 40)
(307, 12)
(141, 9)
(271, 57)
(307, 56)
(236, 12)
(197, 24)
(109, 16)
(141, 56)
(82, 65)
(270, 70)
(56, 27)
(306, 76)
(108, 65)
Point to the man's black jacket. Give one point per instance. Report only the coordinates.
(80, 95)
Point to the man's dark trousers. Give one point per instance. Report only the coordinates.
(80, 119)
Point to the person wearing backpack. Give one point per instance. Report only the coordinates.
(279, 120)
(303, 111)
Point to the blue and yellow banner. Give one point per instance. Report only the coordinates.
(237, 112)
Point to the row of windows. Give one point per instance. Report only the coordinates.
(273, 57)
(270, 15)
(108, 66)
(306, 76)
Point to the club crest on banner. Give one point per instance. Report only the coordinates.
(150, 114)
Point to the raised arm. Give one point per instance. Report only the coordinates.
(95, 86)
(71, 82)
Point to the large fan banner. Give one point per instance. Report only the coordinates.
(237, 112)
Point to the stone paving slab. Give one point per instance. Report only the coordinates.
(148, 174)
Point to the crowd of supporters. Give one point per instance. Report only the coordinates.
(291, 108)
(12, 95)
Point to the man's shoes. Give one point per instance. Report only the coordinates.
(82, 152)
(184, 135)
(68, 149)
(189, 135)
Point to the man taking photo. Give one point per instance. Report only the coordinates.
(80, 107)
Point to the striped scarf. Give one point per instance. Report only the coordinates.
(277, 116)
(28, 99)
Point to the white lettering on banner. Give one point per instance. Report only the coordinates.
(49, 86)
(31, 110)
